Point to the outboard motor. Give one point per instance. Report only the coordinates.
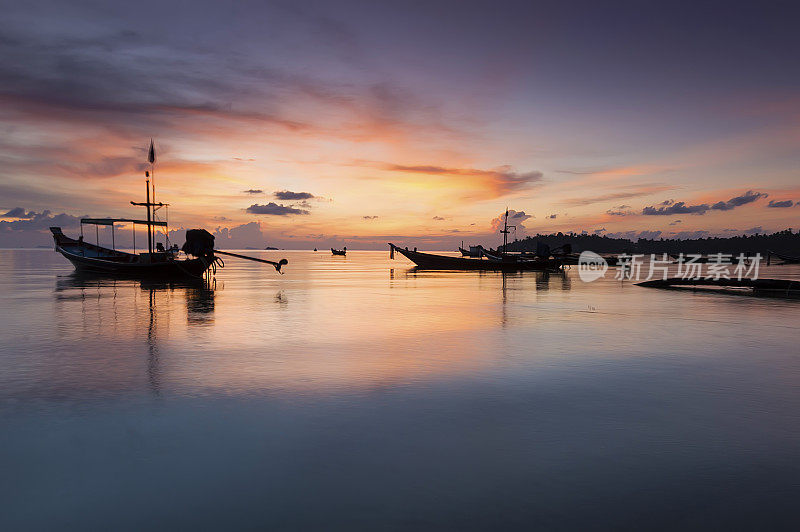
(199, 243)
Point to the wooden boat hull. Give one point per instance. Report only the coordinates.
(341, 253)
(430, 261)
(96, 259)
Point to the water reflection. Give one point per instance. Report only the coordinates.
(153, 370)
(444, 387)
(198, 294)
(113, 317)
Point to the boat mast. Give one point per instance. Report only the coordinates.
(149, 231)
(148, 204)
(505, 232)
(151, 157)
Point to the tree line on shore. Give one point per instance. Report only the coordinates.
(784, 242)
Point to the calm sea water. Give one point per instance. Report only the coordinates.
(354, 393)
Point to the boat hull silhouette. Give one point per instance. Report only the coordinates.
(97, 259)
(431, 261)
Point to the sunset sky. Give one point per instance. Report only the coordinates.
(301, 124)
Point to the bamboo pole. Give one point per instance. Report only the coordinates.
(277, 265)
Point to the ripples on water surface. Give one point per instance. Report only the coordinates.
(354, 393)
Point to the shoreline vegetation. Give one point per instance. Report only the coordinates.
(781, 242)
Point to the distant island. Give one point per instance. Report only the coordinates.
(781, 242)
(270, 247)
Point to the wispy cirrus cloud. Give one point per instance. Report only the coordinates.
(633, 191)
(498, 181)
(614, 172)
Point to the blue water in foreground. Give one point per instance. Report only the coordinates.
(352, 393)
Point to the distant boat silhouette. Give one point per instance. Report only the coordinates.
(315, 249)
(486, 260)
(503, 261)
(342, 251)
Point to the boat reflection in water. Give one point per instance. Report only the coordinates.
(514, 287)
(106, 311)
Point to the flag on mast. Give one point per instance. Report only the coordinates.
(151, 155)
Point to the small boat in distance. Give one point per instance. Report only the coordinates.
(159, 261)
(341, 252)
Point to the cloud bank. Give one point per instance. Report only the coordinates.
(670, 207)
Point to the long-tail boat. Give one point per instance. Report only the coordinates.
(431, 261)
(158, 261)
(487, 261)
(341, 252)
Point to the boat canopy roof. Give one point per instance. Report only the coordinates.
(112, 221)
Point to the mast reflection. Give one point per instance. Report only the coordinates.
(114, 309)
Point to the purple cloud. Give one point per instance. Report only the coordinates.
(748, 197)
(288, 195)
(781, 204)
(675, 208)
(18, 212)
(274, 209)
